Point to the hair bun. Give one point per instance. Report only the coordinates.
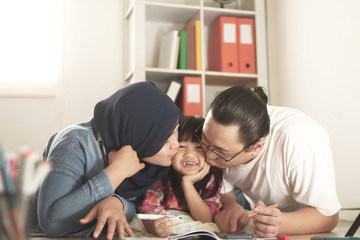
(261, 93)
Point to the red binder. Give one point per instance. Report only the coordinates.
(222, 54)
(246, 45)
(190, 99)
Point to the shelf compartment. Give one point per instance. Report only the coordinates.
(236, 5)
(162, 77)
(166, 13)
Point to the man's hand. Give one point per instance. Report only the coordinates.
(110, 211)
(267, 221)
(232, 219)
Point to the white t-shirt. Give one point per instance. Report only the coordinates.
(295, 168)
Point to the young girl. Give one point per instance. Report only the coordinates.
(191, 185)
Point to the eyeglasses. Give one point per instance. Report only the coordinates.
(196, 133)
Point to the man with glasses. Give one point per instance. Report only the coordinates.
(275, 155)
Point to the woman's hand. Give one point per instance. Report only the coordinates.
(267, 221)
(110, 211)
(122, 164)
(126, 159)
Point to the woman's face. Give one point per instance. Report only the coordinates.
(167, 152)
(190, 158)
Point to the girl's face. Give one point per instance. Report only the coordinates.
(167, 152)
(190, 158)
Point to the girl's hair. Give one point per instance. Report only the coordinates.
(245, 108)
(187, 129)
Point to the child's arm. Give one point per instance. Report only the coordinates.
(152, 203)
(199, 209)
(270, 222)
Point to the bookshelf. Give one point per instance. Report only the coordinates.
(146, 21)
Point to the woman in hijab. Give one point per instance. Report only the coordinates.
(102, 166)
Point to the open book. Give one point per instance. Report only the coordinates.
(212, 235)
(186, 227)
(202, 233)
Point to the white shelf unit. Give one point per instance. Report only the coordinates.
(146, 21)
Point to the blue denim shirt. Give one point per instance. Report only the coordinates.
(76, 183)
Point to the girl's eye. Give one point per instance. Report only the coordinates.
(181, 146)
(199, 147)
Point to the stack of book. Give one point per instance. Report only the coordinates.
(20, 177)
(181, 49)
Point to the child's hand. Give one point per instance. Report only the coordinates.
(197, 176)
(160, 227)
(267, 221)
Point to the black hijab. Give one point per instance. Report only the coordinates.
(144, 117)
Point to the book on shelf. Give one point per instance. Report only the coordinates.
(246, 45)
(198, 45)
(190, 46)
(174, 89)
(182, 62)
(223, 53)
(190, 100)
(169, 50)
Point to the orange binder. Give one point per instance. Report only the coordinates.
(246, 45)
(190, 99)
(222, 53)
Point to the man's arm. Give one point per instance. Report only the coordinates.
(310, 220)
(270, 222)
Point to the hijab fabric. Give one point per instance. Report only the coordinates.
(144, 117)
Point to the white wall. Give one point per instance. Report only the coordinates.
(92, 71)
(314, 65)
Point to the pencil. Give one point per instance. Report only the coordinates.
(254, 213)
(154, 216)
